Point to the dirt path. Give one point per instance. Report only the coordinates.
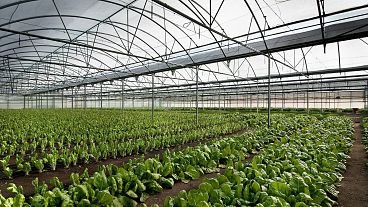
(354, 186)
(64, 174)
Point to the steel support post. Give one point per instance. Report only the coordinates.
(308, 98)
(219, 100)
(285, 96)
(7, 101)
(224, 101)
(246, 100)
(297, 97)
(85, 97)
(122, 94)
(257, 98)
(153, 98)
(62, 98)
(53, 101)
(101, 95)
(108, 99)
(366, 96)
(269, 91)
(321, 96)
(72, 98)
(364, 99)
(237, 99)
(250, 100)
(203, 102)
(197, 95)
(24, 102)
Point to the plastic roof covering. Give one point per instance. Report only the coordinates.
(67, 41)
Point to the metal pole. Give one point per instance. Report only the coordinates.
(269, 91)
(62, 98)
(108, 99)
(122, 94)
(7, 101)
(246, 100)
(72, 98)
(85, 97)
(283, 98)
(219, 99)
(101, 95)
(321, 96)
(53, 101)
(24, 102)
(251, 100)
(237, 98)
(47, 100)
(297, 97)
(365, 96)
(308, 98)
(203, 102)
(257, 98)
(153, 101)
(224, 101)
(197, 95)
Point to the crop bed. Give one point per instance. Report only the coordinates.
(298, 170)
(296, 146)
(31, 137)
(37, 141)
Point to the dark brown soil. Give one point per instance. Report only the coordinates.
(354, 186)
(179, 186)
(64, 174)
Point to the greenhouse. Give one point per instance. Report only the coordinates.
(183, 103)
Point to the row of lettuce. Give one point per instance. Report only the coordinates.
(298, 170)
(37, 141)
(365, 134)
(133, 182)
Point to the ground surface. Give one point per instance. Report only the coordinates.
(354, 186)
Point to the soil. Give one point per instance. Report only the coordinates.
(64, 173)
(354, 186)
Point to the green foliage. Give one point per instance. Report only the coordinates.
(301, 170)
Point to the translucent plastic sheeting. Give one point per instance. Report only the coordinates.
(50, 45)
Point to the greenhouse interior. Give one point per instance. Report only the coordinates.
(183, 103)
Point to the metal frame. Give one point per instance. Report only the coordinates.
(37, 65)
